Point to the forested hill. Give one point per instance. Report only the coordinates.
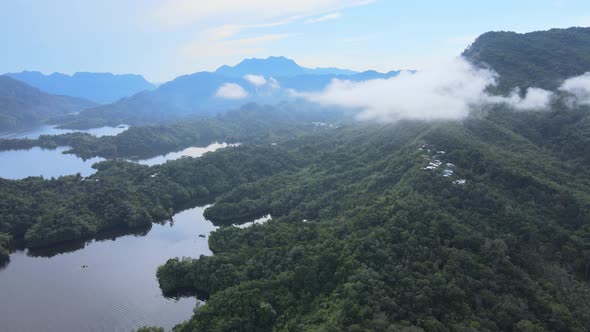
(479, 225)
(22, 105)
(250, 123)
(474, 225)
(540, 59)
(387, 242)
(367, 234)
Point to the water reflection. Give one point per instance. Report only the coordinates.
(19, 164)
(71, 246)
(109, 285)
(188, 152)
(34, 133)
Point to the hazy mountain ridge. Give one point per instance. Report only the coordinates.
(22, 105)
(277, 67)
(473, 225)
(197, 94)
(99, 87)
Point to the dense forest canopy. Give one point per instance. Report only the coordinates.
(388, 244)
(478, 224)
(541, 59)
(363, 236)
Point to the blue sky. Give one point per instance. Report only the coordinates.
(165, 39)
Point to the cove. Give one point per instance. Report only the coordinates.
(109, 285)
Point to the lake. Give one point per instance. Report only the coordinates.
(188, 152)
(19, 164)
(117, 291)
(34, 133)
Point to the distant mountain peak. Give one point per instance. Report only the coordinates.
(98, 87)
(278, 66)
(22, 105)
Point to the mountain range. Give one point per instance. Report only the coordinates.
(22, 105)
(100, 88)
(207, 93)
(277, 67)
(479, 224)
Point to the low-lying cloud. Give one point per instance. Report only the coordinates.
(256, 80)
(273, 83)
(579, 88)
(231, 91)
(447, 91)
(535, 99)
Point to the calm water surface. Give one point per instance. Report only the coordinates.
(52, 130)
(117, 291)
(188, 152)
(19, 164)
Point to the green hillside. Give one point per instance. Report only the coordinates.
(540, 59)
(481, 224)
(24, 106)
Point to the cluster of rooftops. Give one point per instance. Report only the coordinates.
(434, 163)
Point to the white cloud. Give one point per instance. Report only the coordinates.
(181, 12)
(535, 99)
(230, 30)
(273, 83)
(256, 80)
(323, 18)
(231, 91)
(446, 91)
(579, 88)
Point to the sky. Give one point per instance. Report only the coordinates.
(163, 39)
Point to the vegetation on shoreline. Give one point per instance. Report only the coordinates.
(250, 124)
(126, 195)
(387, 244)
(480, 224)
(4, 244)
(363, 236)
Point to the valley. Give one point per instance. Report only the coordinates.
(287, 210)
